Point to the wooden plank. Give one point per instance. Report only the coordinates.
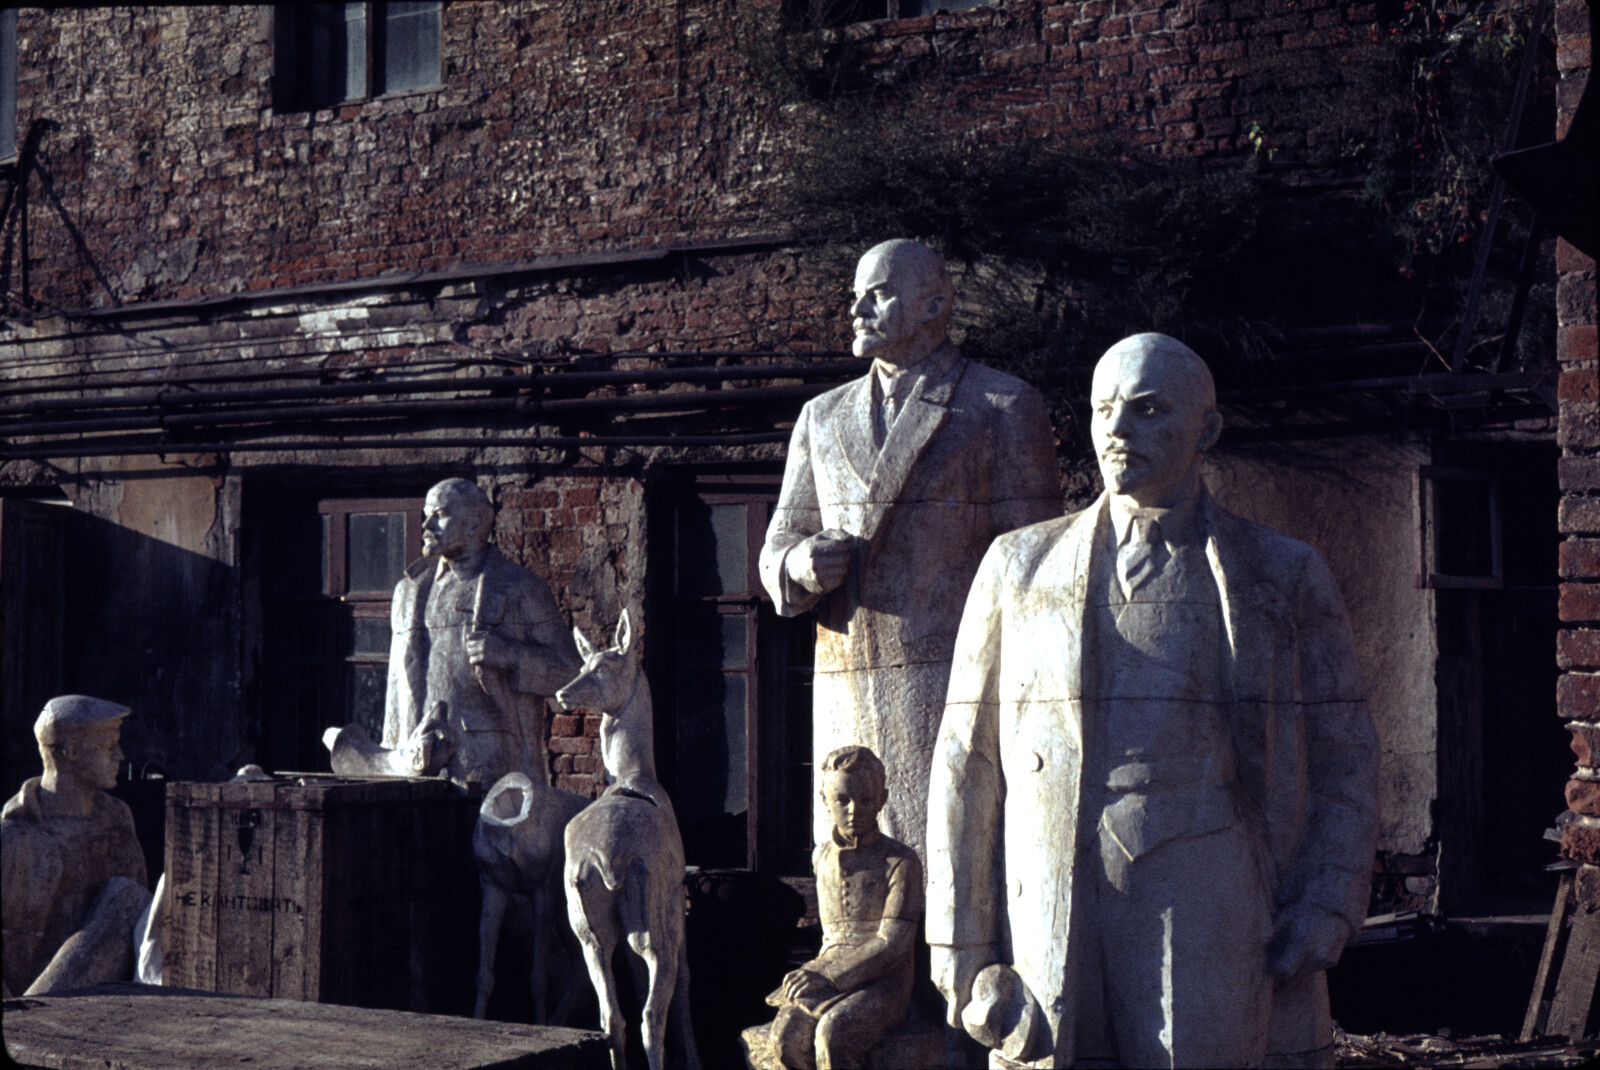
(1544, 981)
(190, 958)
(294, 951)
(246, 900)
(1572, 1004)
(387, 921)
(135, 1027)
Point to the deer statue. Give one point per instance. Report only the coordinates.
(519, 848)
(624, 871)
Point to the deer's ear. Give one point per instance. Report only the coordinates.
(585, 648)
(624, 634)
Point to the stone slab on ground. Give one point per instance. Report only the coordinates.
(136, 1027)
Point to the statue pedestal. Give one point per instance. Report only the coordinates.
(318, 888)
(911, 1045)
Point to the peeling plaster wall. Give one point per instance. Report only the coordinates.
(1355, 503)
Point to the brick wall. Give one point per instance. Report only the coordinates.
(1578, 646)
(562, 127)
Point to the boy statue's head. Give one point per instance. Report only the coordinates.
(854, 790)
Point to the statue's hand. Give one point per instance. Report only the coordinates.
(490, 650)
(1305, 939)
(953, 971)
(819, 563)
(803, 984)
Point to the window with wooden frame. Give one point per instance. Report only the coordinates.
(1459, 527)
(325, 55)
(329, 571)
(731, 679)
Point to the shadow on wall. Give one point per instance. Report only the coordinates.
(142, 622)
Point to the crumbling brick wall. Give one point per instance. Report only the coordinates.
(167, 172)
(1578, 645)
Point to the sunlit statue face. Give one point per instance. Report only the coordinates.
(853, 800)
(452, 525)
(1153, 419)
(897, 314)
(93, 754)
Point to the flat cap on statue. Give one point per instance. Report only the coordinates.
(71, 712)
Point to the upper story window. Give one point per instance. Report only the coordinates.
(8, 83)
(330, 54)
(845, 12)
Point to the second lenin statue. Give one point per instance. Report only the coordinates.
(896, 484)
(478, 642)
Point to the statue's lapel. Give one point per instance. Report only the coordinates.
(925, 412)
(1083, 546)
(852, 428)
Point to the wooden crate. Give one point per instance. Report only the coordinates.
(361, 892)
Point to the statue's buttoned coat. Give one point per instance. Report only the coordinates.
(969, 456)
(1008, 765)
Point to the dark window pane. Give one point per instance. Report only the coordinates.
(8, 83)
(713, 550)
(376, 552)
(709, 641)
(410, 47)
(371, 636)
(367, 686)
(1463, 537)
(711, 744)
(355, 51)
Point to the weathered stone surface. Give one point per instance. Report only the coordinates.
(895, 486)
(1136, 628)
(135, 1027)
(838, 1007)
(74, 874)
(627, 837)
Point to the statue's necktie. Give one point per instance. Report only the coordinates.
(1142, 555)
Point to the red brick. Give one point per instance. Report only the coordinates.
(1578, 696)
(1578, 648)
(1580, 559)
(1578, 516)
(1582, 384)
(566, 724)
(1583, 796)
(1585, 743)
(567, 745)
(1579, 473)
(1575, 342)
(1581, 843)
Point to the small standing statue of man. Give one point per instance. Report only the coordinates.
(73, 880)
(479, 643)
(832, 1010)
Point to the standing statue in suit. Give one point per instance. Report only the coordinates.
(896, 484)
(1156, 772)
(479, 643)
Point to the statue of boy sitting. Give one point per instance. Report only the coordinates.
(832, 1010)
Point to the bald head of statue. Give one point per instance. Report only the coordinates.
(903, 300)
(1154, 417)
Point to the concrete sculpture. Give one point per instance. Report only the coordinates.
(73, 882)
(519, 845)
(624, 870)
(907, 472)
(835, 1008)
(479, 634)
(425, 753)
(1155, 772)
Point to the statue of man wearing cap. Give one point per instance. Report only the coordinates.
(72, 876)
(1155, 773)
(895, 485)
(478, 644)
